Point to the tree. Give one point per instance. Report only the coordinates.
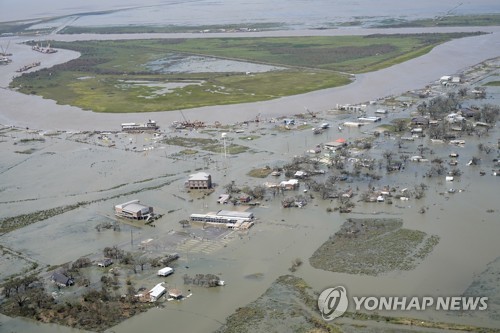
(422, 108)
(113, 252)
(462, 92)
(81, 262)
(489, 113)
(141, 261)
(345, 204)
(388, 156)
(259, 192)
(231, 188)
(400, 125)
(128, 259)
(184, 223)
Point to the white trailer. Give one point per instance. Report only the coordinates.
(165, 271)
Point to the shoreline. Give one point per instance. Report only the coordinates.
(446, 59)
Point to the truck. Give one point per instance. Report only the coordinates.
(165, 271)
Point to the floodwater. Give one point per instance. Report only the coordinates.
(268, 249)
(292, 13)
(174, 63)
(46, 178)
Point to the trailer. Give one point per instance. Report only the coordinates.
(166, 271)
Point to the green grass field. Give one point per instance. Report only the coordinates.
(449, 21)
(113, 76)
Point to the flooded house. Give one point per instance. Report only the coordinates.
(244, 198)
(337, 144)
(134, 210)
(300, 174)
(157, 292)
(61, 280)
(105, 262)
(291, 184)
(199, 181)
(223, 198)
(420, 121)
(175, 294)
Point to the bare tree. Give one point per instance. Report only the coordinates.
(462, 92)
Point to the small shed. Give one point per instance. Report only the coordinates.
(175, 293)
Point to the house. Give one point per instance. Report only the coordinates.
(337, 144)
(454, 118)
(134, 210)
(445, 78)
(244, 198)
(420, 121)
(300, 174)
(175, 294)
(200, 180)
(291, 184)
(223, 198)
(468, 113)
(62, 280)
(157, 292)
(369, 119)
(105, 262)
(416, 130)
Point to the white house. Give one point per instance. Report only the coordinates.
(157, 292)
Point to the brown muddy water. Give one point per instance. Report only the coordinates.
(72, 167)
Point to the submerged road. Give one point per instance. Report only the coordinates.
(447, 59)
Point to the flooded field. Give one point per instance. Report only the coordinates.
(176, 63)
(294, 14)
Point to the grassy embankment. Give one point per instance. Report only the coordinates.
(448, 21)
(138, 29)
(105, 78)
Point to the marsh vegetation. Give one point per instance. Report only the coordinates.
(117, 76)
